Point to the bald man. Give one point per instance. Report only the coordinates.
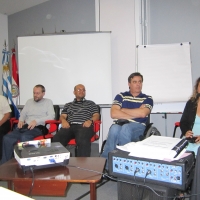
(77, 119)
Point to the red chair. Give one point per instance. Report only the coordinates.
(53, 125)
(12, 116)
(96, 136)
(176, 125)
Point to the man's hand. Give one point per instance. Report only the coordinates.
(87, 123)
(65, 124)
(198, 139)
(189, 134)
(32, 124)
(143, 106)
(20, 124)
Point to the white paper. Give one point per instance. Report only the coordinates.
(154, 147)
(127, 147)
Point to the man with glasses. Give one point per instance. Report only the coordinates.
(31, 122)
(77, 119)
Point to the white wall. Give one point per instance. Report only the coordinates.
(118, 17)
(175, 22)
(3, 37)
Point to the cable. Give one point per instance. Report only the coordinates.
(114, 179)
(88, 192)
(148, 172)
(33, 178)
(146, 186)
(136, 170)
(94, 172)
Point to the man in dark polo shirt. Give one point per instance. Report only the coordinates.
(130, 112)
(77, 119)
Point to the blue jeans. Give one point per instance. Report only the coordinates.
(121, 135)
(10, 139)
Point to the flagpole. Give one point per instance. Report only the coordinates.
(6, 74)
(15, 83)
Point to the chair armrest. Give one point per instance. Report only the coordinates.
(97, 125)
(15, 121)
(53, 121)
(12, 119)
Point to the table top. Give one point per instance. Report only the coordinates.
(79, 169)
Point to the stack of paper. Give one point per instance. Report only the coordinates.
(156, 147)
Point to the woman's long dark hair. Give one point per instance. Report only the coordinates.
(195, 93)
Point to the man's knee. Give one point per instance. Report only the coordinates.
(6, 138)
(25, 138)
(114, 130)
(59, 135)
(83, 142)
(56, 138)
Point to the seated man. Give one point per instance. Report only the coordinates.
(31, 122)
(77, 122)
(4, 119)
(134, 107)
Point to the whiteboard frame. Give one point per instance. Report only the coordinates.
(167, 71)
(59, 62)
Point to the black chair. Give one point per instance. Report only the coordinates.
(149, 130)
(176, 125)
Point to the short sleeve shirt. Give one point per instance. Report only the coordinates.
(4, 106)
(127, 100)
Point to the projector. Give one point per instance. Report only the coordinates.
(36, 155)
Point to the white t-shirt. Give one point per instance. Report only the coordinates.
(4, 106)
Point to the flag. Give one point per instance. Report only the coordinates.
(6, 76)
(15, 84)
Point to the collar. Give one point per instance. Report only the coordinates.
(139, 95)
(75, 100)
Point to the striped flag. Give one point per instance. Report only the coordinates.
(6, 76)
(15, 84)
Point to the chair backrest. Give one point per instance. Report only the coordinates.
(57, 112)
(97, 126)
(149, 130)
(99, 111)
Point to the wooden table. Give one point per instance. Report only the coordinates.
(53, 181)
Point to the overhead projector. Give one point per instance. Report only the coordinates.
(37, 154)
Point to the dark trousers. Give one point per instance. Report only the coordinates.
(4, 129)
(12, 138)
(82, 137)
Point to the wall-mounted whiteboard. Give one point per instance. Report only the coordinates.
(59, 62)
(167, 71)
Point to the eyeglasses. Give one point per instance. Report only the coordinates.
(79, 89)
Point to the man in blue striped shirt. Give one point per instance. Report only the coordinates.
(133, 107)
(77, 119)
